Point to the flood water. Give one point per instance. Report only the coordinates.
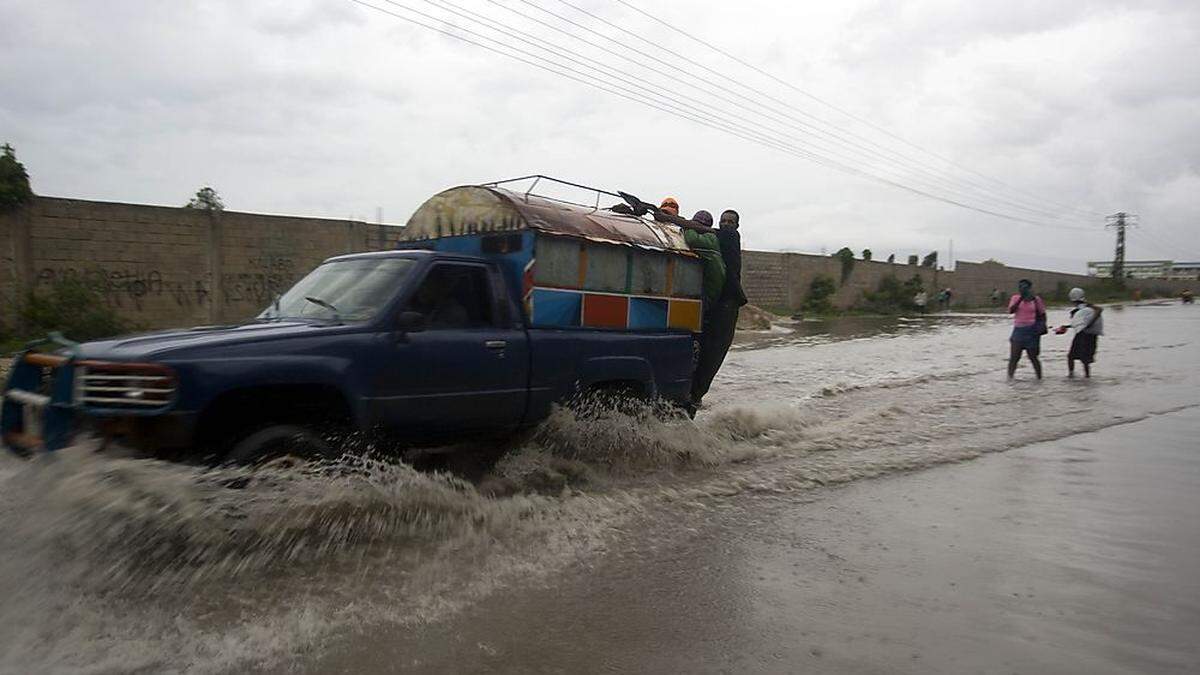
(748, 541)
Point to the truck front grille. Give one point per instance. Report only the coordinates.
(132, 390)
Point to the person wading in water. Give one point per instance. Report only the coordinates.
(1089, 326)
(1029, 324)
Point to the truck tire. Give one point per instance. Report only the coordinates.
(279, 440)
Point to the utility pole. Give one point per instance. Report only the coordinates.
(1118, 220)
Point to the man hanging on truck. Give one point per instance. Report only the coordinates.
(723, 292)
(722, 309)
(723, 321)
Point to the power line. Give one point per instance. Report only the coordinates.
(850, 115)
(884, 153)
(656, 88)
(719, 125)
(1167, 243)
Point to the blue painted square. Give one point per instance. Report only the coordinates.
(556, 308)
(647, 313)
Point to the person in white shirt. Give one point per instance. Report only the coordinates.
(920, 300)
(1088, 323)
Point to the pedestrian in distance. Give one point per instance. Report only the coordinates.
(1088, 323)
(944, 298)
(996, 297)
(920, 300)
(1029, 325)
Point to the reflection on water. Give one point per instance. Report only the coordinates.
(821, 330)
(122, 564)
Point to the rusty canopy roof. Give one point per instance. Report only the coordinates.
(473, 209)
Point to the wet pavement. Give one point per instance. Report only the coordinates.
(820, 515)
(1072, 556)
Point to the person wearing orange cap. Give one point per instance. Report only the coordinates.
(722, 293)
(700, 237)
(720, 253)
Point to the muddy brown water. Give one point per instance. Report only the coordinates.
(748, 540)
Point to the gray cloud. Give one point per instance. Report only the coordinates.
(322, 107)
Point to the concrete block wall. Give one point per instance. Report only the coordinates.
(781, 281)
(162, 266)
(145, 261)
(975, 281)
(765, 279)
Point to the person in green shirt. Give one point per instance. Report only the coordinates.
(701, 238)
(707, 246)
(721, 287)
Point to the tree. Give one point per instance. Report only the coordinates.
(206, 199)
(74, 308)
(14, 180)
(892, 258)
(892, 295)
(820, 290)
(866, 254)
(912, 260)
(847, 257)
(930, 260)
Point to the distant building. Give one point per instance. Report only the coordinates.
(1185, 270)
(1148, 269)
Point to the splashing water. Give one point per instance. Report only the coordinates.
(114, 563)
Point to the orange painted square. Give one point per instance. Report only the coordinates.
(605, 311)
(684, 314)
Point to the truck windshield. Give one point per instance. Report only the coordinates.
(345, 290)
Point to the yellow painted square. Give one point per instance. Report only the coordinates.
(684, 314)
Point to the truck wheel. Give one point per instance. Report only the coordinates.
(277, 441)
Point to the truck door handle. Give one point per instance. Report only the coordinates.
(496, 344)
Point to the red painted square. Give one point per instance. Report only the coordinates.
(605, 311)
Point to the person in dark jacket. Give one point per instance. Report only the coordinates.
(723, 318)
(721, 308)
(721, 312)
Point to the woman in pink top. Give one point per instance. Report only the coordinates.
(1029, 324)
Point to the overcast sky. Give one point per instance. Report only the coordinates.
(327, 108)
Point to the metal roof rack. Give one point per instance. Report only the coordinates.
(537, 178)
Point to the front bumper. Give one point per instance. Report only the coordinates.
(50, 398)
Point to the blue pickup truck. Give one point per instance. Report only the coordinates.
(496, 306)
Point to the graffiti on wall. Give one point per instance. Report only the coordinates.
(129, 288)
(272, 275)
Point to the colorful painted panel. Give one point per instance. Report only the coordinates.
(647, 313)
(684, 314)
(556, 308)
(605, 311)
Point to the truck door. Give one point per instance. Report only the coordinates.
(465, 368)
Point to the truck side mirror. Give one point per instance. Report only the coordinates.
(410, 321)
